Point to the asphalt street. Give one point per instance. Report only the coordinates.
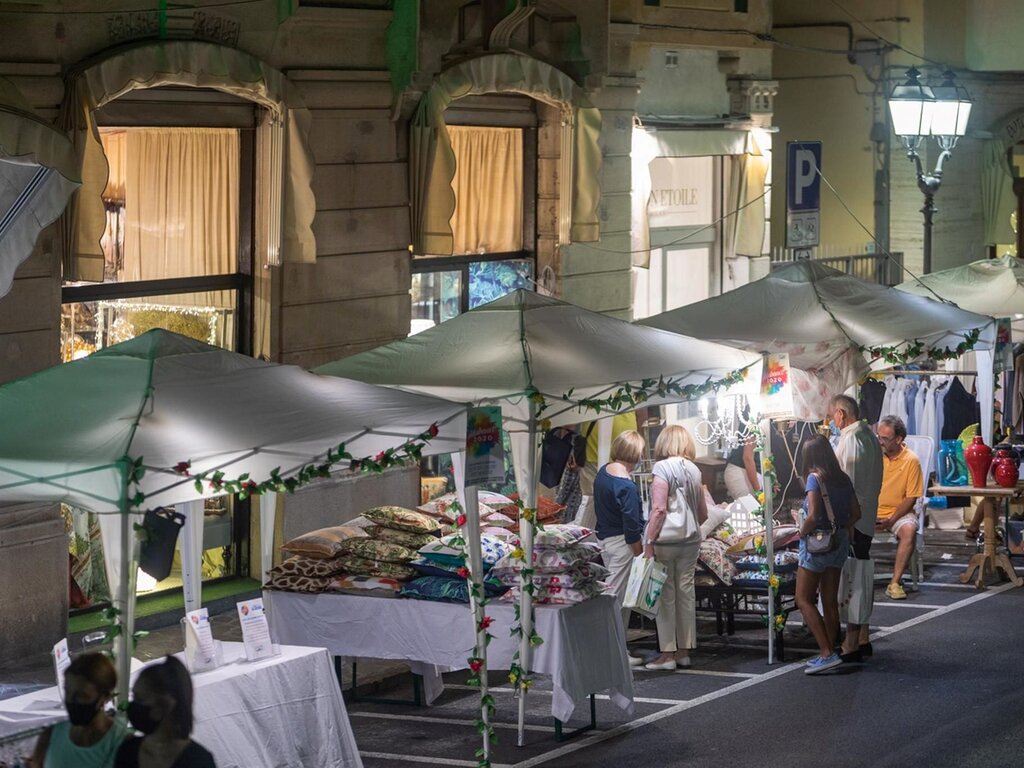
(944, 688)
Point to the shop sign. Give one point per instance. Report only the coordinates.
(680, 192)
(485, 456)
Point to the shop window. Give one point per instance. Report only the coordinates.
(177, 255)
(492, 226)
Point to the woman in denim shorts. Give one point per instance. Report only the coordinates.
(819, 571)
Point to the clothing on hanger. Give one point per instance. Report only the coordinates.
(872, 398)
(960, 410)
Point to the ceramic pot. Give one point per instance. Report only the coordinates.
(979, 458)
(1004, 469)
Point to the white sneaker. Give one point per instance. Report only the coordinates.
(635, 661)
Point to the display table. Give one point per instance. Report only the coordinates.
(282, 712)
(584, 649)
(987, 561)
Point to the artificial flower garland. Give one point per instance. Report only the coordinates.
(760, 543)
(901, 354)
(478, 661)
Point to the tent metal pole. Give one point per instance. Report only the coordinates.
(122, 645)
(529, 497)
(476, 573)
(769, 520)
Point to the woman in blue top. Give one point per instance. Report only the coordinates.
(829, 489)
(619, 524)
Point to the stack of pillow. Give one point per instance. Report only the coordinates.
(371, 553)
(445, 510)
(565, 567)
(442, 568)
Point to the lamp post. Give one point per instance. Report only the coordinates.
(919, 111)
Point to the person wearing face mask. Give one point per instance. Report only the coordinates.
(161, 710)
(90, 737)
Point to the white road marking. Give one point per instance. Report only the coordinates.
(713, 673)
(588, 741)
(446, 721)
(426, 759)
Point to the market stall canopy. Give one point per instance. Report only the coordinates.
(522, 343)
(824, 319)
(989, 287)
(37, 177)
(166, 399)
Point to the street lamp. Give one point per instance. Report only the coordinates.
(919, 111)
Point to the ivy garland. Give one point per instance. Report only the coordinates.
(478, 661)
(517, 675)
(245, 486)
(901, 354)
(760, 544)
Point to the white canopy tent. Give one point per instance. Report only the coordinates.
(523, 350)
(823, 319)
(38, 174)
(990, 287)
(77, 432)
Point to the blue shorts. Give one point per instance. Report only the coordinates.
(834, 559)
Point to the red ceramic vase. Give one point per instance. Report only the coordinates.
(979, 458)
(1004, 469)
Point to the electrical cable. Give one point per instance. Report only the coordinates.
(171, 7)
(886, 40)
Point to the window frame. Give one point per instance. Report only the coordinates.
(184, 107)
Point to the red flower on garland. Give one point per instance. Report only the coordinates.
(460, 520)
(433, 430)
(485, 622)
(249, 485)
(215, 485)
(182, 467)
(476, 665)
(380, 457)
(463, 572)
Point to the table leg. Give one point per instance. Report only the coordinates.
(563, 736)
(985, 560)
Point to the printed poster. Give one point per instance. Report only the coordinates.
(200, 653)
(485, 456)
(776, 386)
(61, 661)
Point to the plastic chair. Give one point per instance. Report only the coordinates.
(923, 447)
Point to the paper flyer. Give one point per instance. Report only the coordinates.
(200, 652)
(61, 661)
(255, 631)
(485, 456)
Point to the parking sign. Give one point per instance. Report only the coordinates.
(803, 193)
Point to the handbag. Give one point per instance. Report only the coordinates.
(820, 542)
(646, 580)
(680, 521)
(857, 591)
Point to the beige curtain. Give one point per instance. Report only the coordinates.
(744, 231)
(181, 203)
(488, 184)
(193, 64)
(114, 147)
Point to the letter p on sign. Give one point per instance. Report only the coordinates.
(803, 187)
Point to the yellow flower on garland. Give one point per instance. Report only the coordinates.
(773, 581)
(527, 682)
(780, 621)
(518, 553)
(528, 514)
(760, 497)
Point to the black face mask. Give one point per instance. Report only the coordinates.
(141, 719)
(81, 714)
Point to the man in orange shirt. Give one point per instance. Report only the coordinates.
(902, 486)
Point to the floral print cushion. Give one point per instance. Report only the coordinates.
(712, 560)
(447, 507)
(362, 566)
(725, 533)
(760, 579)
(552, 560)
(402, 538)
(324, 542)
(441, 589)
(375, 586)
(561, 536)
(492, 549)
(402, 519)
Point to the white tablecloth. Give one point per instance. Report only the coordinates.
(282, 712)
(584, 649)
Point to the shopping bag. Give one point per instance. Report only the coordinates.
(643, 588)
(857, 591)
